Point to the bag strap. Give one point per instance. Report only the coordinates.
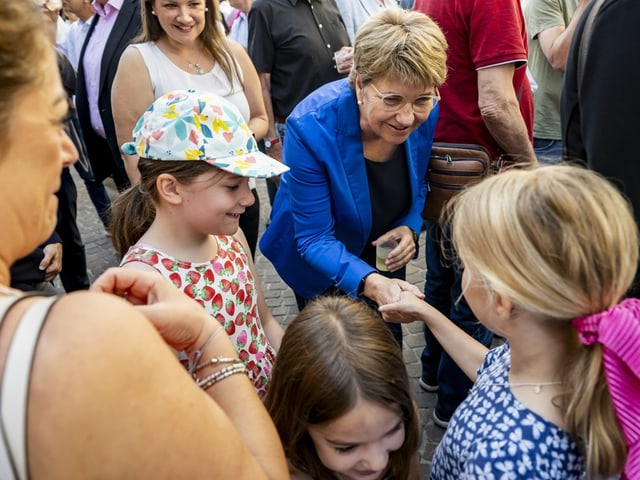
(585, 39)
(17, 374)
(6, 465)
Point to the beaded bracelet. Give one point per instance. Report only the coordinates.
(194, 358)
(221, 374)
(215, 361)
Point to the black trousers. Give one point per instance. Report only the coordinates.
(74, 261)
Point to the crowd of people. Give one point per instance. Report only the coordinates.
(172, 365)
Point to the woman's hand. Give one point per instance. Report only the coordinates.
(51, 263)
(407, 308)
(180, 320)
(403, 252)
(383, 290)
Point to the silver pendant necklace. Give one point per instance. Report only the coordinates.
(196, 66)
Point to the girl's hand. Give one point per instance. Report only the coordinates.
(179, 319)
(408, 308)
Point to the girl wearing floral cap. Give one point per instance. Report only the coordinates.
(196, 155)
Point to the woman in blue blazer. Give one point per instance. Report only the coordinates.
(358, 151)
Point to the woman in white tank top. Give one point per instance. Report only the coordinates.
(182, 46)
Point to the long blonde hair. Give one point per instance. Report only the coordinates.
(559, 242)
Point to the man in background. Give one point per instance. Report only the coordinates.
(600, 104)
(550, 26)
(115, 23)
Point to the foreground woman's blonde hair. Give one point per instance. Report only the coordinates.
(561, 243)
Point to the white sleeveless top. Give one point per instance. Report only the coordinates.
(166, 76)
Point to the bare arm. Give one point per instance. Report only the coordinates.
(272, 328)
(131, 95)
(118, 401)
(555, 41)
(467, 352)
(258, 122)
(500, 111)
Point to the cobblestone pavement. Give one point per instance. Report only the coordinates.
(101, 255)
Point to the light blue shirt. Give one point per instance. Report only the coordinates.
(240, 29)
(71, 44)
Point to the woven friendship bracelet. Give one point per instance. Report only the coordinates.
(195, 357)
(221, 374)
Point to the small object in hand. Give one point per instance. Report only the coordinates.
(339, 57)
(382, 251)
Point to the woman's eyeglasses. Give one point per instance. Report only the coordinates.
(392, 102)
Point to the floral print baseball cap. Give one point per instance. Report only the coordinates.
(190, 125)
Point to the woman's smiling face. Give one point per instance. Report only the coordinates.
(390, 109)
(182, 20)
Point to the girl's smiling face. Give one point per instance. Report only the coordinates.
(213, 202)
(356, 446)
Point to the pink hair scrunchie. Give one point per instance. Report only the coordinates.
(618, 331)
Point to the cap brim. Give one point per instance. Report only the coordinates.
(128, 148)
(255, 165)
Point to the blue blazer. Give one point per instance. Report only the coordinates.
(321, 218)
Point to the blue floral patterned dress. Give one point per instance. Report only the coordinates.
(494, 436)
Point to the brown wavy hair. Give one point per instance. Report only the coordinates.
(335, 352)
(23, 43)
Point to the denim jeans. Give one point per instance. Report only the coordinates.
(443, 290)
(549, 152)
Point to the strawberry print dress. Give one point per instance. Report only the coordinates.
(225, 287)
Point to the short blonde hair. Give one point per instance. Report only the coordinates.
(400, 44)
(560, 242)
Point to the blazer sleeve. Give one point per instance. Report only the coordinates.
(329, 229)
